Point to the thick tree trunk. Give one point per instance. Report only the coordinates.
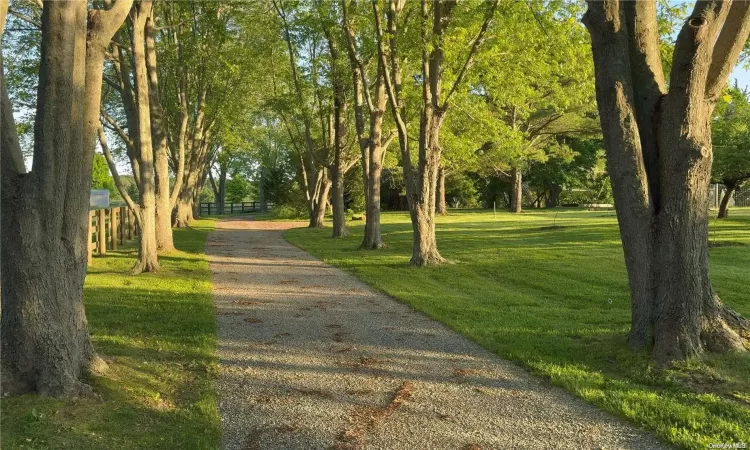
(425, 251)
(163, 227)
(147, 246)
(262, 190)
(337, 197)
(221, 198)
(373, 239)
(724, 205)
(552, 200)
(660, 166)
(44, 334)
(516, 194)
(183, 210)
(318, 205)
(440, 206)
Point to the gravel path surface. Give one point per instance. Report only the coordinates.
(312, 358)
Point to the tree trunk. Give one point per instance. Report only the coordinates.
(516, 195)
(45, 341)
(724, 205)
(221, 198)
(552, 200)
(147, 246)
(318, 206)
(659, 156)
(262, 190)
(440, 206)
(425, 251)
(337, 203)
(163, 230)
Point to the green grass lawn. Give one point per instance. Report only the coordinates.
(157, 333)
(556, 301)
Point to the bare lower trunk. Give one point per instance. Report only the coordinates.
(147, 250)
(516, 194)
(183, 213)
(337, 202)
(425, 251)
(163, 223)
(373, 239)
(440, 206)
(724, 205)
(45, 340)
(262, 190)
(318, 206)
(552, 199)
(689, 316)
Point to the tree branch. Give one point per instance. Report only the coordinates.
(113, 169)
(472, 53)
(728, 47)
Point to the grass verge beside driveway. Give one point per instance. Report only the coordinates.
(548, 289)
(157, 333)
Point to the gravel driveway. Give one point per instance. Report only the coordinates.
(312, 358)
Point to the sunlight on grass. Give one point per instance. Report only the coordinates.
(157, 334)
(556, 301)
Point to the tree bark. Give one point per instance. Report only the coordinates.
(338, 169)
(724, 206)
(318, 204)
(262, 190)
(440, 206)
(516, 194)
(659, 157)
(222, 188)
(372, 147)
(163, 228)
(147, 247)
(44, 334)
(552, 199)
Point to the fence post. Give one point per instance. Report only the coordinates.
(101, 230)
(89, 245)
(113, 227)
(231, 208)
(130, 224)
(209, 208)
(121, 228)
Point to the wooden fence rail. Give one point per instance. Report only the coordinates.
(110, 227)
(231, 208)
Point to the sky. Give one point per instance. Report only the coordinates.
(742, 75)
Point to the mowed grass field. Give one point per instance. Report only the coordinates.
(157, 333)
(556, 301)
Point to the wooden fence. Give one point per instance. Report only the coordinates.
(110, 227)
(231, 208)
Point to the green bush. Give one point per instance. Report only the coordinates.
(288, 212)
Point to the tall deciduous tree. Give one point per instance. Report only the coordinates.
(45, 340)
(372, 143)
(659, 154)
(421, 181)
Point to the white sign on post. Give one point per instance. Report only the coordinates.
(99, 199)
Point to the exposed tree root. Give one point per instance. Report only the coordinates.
(727, 330)
(145, 267)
